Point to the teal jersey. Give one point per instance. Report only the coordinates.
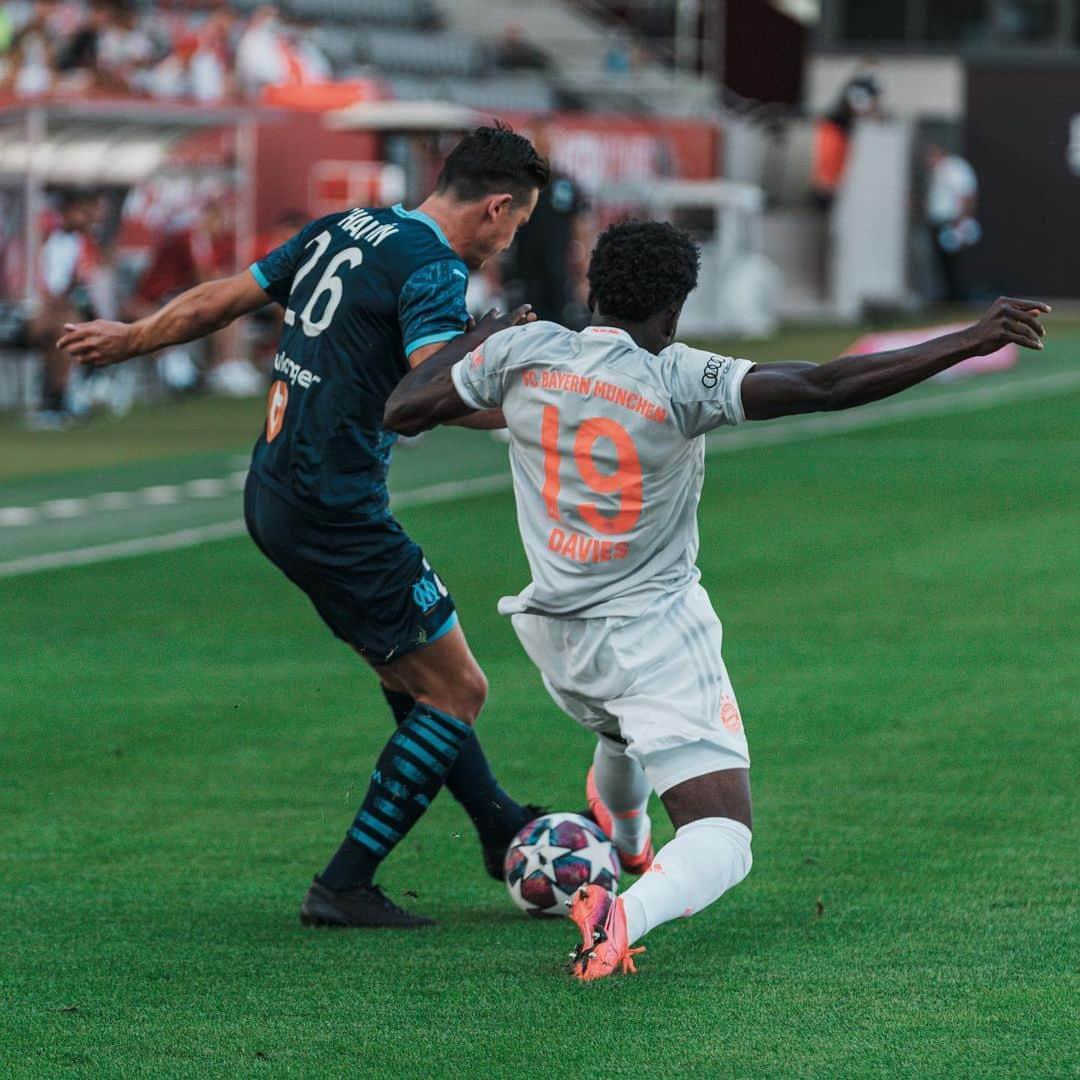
(362, 290)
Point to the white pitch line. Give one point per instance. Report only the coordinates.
(18, 515)
(212, 487)
(811, 427)
(209, 488)
(115, 500)
(160, 495)
(122, 549)
(64, 508)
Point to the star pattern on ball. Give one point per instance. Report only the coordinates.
(597, 853)
(541, 856)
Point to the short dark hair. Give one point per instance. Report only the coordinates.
(639, 268)
(493, 159)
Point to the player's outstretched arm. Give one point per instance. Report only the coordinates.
(427, 395)
(772, 390)
(193, 314)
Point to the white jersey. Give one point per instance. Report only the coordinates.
(608, 459)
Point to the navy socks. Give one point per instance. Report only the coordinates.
(470, 780)
(408, 775)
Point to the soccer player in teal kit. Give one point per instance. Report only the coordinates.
(368, 293)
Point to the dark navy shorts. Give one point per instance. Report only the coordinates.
(368, 580)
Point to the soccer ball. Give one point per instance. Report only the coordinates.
(554, 856)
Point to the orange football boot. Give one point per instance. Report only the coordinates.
(633, 864)
(605, 947)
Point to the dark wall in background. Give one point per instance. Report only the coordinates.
(1017, 138)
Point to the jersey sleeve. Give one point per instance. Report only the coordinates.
(432, 307)
(479, 378)
(275, 272)
(705, 389)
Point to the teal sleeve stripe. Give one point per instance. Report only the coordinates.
(430, 339)
(259, 276)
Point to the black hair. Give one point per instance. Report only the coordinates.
(490, 160)
(639, 268)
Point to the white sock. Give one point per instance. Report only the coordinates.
(625, 789)
(706, 858)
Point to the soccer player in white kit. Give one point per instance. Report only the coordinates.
(608, 459)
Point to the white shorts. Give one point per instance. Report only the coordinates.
(655, 682)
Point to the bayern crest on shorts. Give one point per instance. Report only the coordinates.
(555, 855)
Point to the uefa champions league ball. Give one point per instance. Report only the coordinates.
(554, 856)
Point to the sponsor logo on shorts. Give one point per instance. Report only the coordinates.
(428, 589)
(425, 594)
(729, 715)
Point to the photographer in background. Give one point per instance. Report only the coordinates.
(952, 189)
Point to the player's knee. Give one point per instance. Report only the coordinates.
(464, 697)
(745, 860)
(473, 693)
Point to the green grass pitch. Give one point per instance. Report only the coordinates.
(182, 744)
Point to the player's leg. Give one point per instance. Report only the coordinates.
(365, 583)
(44, 329)
(682, 724)
(496, 816)
(448, 691)
(709, 854)
(618, 793)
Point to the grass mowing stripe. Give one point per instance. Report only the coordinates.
(810, 427)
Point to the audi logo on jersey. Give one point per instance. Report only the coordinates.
(711, 375)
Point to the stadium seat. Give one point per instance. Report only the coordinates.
(514, 95)
(509, 94)
(426, 54)
(341, 44)
(416, 13)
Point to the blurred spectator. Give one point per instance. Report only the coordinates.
(123, 46)
(126, 46)
(210, 75)
(515, 52)
(183, 258)
(540, 261)
(272, 53)
(952, 189)
(31, 62)
(618, 59)
(860, 97)
(70, 260)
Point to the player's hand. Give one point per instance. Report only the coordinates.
(1010, 322)
(98, 343)
(493, 321)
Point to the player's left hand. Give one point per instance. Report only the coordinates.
(1009, 322)
(98, 343)
(493, 321)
